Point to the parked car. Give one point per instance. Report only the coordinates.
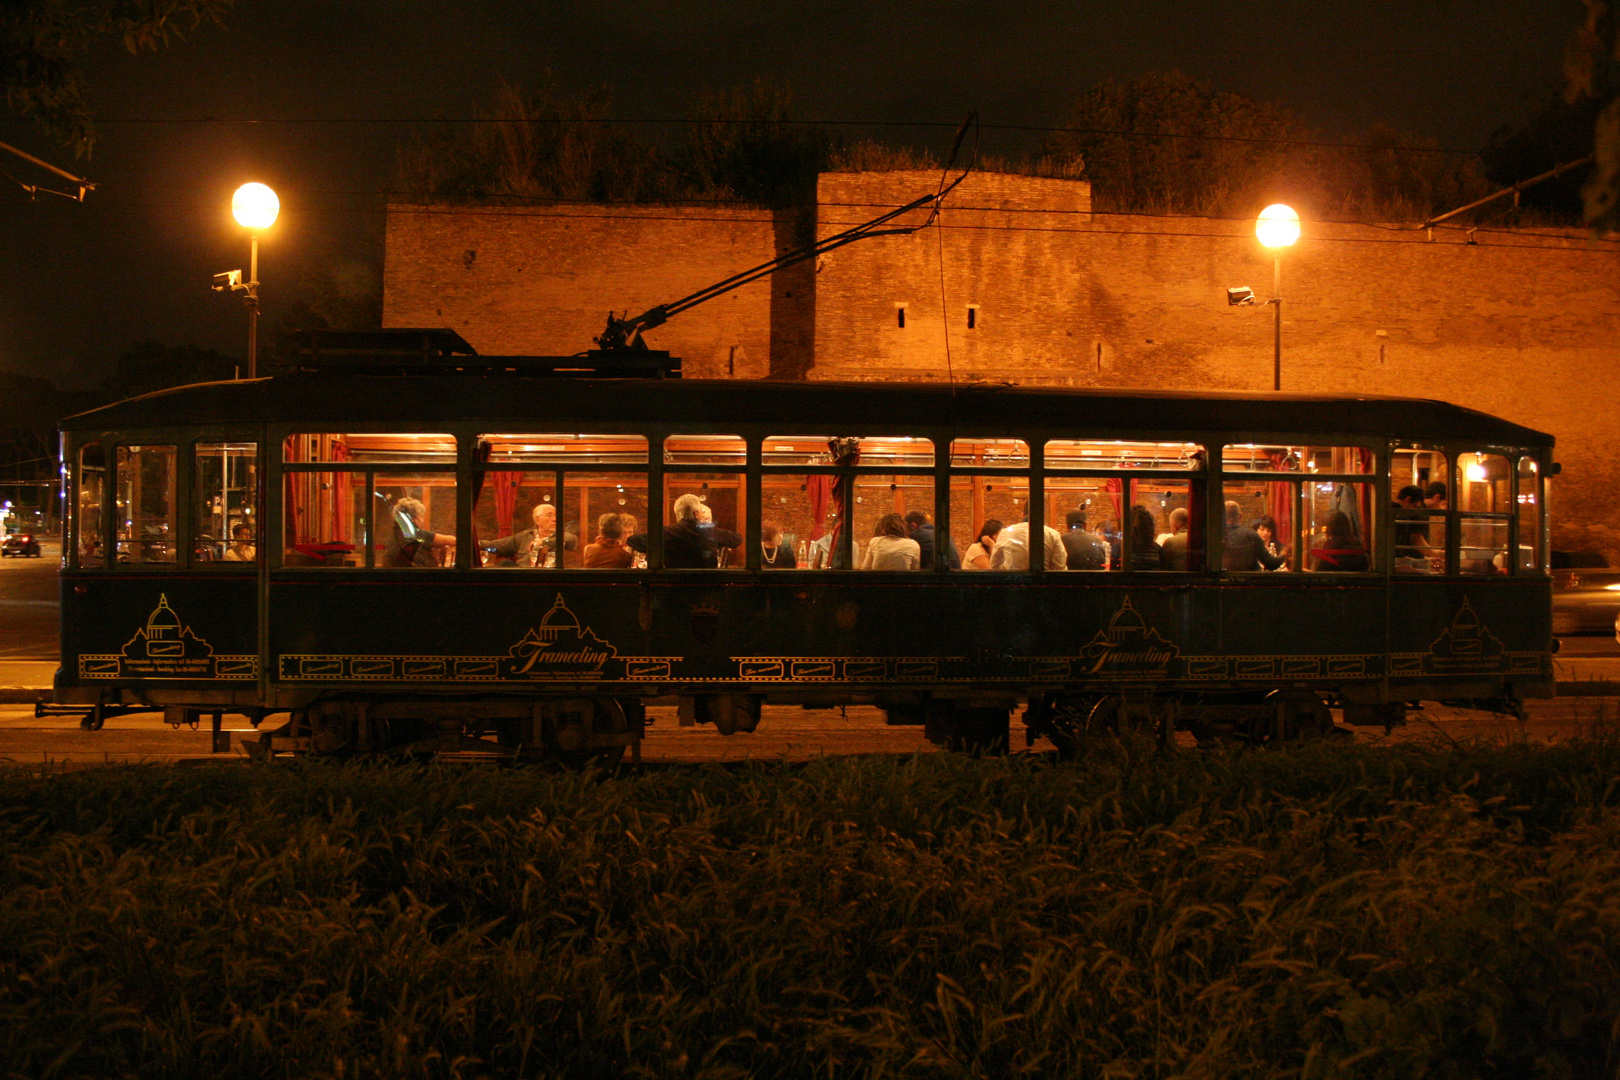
(21, 544)
(1585, 601)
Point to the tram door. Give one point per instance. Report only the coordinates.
(161, 567)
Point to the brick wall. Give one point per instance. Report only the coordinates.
(1521, 324)
(539, 281)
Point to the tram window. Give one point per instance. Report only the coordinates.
(978, 499)
(1485, 500)
(226, 500)
(1085, 504)
(703, 523)
(515, 520)
(1529, 510)
(87, 518)
(1115, 454)
(147, 516)
(414, 521)
(369, 447)
(990, 453)
(325, 519)
(1163, 529)
(1256, 457)
(1338, 524)
(569, 449)
(878, 496)
(705, 450)
(1254, 507)
(875, 450)
(604, 510)
(800, 507)
(1419, 532)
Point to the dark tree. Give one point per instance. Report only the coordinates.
(42, 41)
(1592, 77)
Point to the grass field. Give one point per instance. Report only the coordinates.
(1332, 911)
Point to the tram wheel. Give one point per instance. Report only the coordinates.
(1295, 716)
(1122, 717)
(607, 718)
(94, 719)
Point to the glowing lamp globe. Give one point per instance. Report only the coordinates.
(1277, 227)
(255, 206)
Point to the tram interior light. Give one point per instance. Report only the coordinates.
(1239, 296)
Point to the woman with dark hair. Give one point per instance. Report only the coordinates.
(978, 552)
(1145, 554)
(1266, 526)
(892, 547)
(1340, 550)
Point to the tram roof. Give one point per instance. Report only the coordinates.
(352, 400)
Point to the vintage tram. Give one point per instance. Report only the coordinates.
(402, 562)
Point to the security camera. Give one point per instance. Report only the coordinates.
(230, 279)
(1240, 295)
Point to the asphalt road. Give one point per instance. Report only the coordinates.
(29, 608)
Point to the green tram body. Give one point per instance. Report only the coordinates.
(564, 660)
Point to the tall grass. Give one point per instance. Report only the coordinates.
(1330, 912)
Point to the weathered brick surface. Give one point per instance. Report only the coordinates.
(540, 280)
(1521, 324)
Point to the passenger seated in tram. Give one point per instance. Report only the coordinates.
(891, 547)
(921, 529)
(531, 547)
(693, 542)
(774, 555)
(1082, 550)
(608, 550)
(1244, 550)
(242, 548)
(1144, 553)
(1341, 551)
(1012, 549)
(410, 542)
(979, 552)
(1174, 546)
(1266, 526)
(1437, 496)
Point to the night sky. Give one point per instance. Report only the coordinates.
(313, 96)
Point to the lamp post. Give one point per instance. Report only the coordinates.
(255, 208)
(1277, 228)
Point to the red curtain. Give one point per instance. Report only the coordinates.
(1115, 487)
(342, 496)
(506, 489)
(1280, 505)
(819, 489)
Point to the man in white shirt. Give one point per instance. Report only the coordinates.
(1012, 549)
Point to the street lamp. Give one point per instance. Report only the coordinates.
(1277, 228)
(255, 208)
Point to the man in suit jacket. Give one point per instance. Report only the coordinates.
(921, 528)
(1084, 550)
